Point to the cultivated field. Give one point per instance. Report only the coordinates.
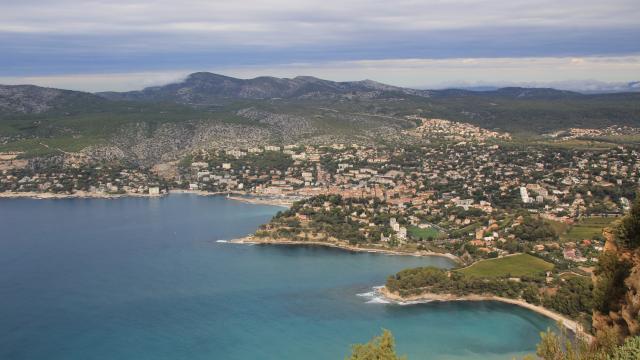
(587, 228)
(513, 266)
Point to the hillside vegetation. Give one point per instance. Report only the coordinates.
(209, 110)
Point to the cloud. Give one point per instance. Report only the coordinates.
(414, 72)
(281, 17)
(55, 37)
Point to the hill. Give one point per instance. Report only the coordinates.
(514, 109)
(204, 88)
(210, 110)
(30, 99)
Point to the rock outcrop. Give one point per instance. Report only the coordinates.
(624, 318)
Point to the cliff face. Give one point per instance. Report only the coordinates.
(630, 310)
(625, 317)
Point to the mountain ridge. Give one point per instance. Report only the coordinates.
(33, 99)
(212, 110)
(204, 87)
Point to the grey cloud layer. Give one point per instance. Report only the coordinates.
(279, 17)
(39, 37)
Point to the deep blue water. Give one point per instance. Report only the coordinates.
(145, 279)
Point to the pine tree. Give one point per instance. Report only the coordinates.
(628, 234)
(379, 348)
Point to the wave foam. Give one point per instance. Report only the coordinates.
(378, 300)
(374, 296)
(414, 302)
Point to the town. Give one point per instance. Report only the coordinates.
(459, 189)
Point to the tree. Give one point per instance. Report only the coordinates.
(609, 289)
(550, 346)
(563, 346)
(574, 297)
(629, 351)
(531, 295)
(628, 232)
(379, 348)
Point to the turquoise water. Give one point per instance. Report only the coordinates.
(146, 279)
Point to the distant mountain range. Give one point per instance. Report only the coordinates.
(205, 88)
(580, 86)
(205, 109)
(30, 99)
(202, 89)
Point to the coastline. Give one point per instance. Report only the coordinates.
(236, 196)
(570, 324)
(76, 195)
(240, 196)
(253, 199)
(343, 246)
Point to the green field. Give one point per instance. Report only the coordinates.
(587, 228)
(423, 234)
(514, 266)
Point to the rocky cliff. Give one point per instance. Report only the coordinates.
(624, 314)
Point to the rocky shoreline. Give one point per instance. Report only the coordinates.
(340, 245)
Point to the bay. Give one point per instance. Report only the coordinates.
(138, 278)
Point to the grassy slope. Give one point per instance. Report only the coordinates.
(515, 265)
(586, 229)
(423, 234)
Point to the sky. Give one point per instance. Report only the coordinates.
(98, 45)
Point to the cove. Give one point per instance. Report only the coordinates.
(138, 278)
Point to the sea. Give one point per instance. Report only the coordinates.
(155, 278)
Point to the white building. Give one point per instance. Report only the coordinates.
(402, 233)
(199, 164)
(524, 194)
(394, 224)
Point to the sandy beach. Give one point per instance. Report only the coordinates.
(339, 245)
(240, 196)
(570, 324)
(251, 199)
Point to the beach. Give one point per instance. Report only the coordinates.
(242, 196)
(252, 199)
(570, 324)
